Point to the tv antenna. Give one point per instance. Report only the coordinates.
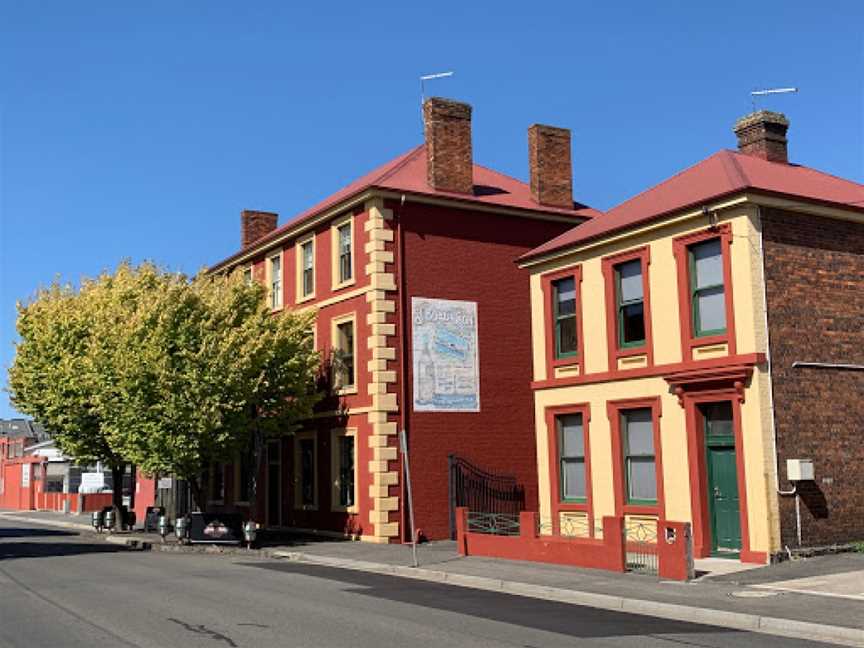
(770, 91)
(429, 77)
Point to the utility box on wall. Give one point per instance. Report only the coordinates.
(799, 470)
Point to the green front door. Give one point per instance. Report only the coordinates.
(722, 467)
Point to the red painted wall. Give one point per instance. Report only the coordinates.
(465, 255)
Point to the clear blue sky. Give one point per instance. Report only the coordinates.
(141, 130)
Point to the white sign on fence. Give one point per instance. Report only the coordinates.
(91, 482)
(444, 349)
(164, 483)
(25, 475)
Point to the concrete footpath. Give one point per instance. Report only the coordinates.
(737, 600)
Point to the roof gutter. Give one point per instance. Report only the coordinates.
(305, 225)
(662, 220)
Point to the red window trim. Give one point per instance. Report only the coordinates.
(613, 411)
(608, 264)
(685, 306)
(551, 361)
(557, 505)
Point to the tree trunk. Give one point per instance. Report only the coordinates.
(198, 499)
(258, 450)
(117, 471)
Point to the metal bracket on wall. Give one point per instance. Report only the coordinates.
(827, 365)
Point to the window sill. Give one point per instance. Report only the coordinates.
(641, 508)
(344, 284)
(347, 391)
(306, 298)
(571, 505)
(566, 361)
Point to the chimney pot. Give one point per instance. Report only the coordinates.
(551, 171)
(256, 224)
(449, 160)
(762, 134)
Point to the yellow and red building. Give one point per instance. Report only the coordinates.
(429, 227)
(689, 341)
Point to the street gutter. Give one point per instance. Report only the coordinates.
(708, 616)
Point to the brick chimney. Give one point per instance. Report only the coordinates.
(551, 171)
(762, 134)
(449, 162)
(255, 224)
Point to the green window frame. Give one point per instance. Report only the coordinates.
(564, 317)
(628, 307)
(572, 468)
(640, 460)
(707, 286)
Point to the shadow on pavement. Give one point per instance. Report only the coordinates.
(548, 616)
(13, 550)
(30, 532)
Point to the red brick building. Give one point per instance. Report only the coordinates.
(411, 265)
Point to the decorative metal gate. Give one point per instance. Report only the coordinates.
(482, 491)
(640, 546)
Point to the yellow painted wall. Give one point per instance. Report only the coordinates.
(749, 310)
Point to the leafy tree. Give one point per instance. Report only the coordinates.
(52, 377)
(203, 371)
(169, 373)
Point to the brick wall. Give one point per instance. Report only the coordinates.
(464, 255)
(815, 287)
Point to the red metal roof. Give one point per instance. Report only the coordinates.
(407, 174)
(724, 173)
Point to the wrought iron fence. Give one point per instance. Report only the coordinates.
(640, 546)
(493, 523)
(480, 490)
(570, 526)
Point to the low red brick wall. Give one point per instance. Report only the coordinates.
(673, 546)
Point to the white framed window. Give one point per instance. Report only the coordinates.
(247, 274)
(306, 471)
(305, 251)
(343, 470)
(342, 246)
(274, 280)
(343, 340)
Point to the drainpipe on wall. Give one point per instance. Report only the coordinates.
(770, 367)
(403, 363)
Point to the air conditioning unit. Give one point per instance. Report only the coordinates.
(799, 470)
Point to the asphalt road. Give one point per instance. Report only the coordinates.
(61, 588)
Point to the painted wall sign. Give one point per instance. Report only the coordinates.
(445, 354)
(25, 475)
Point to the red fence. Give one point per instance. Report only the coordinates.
(77, 503)
(523, 541)
(22, 485)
